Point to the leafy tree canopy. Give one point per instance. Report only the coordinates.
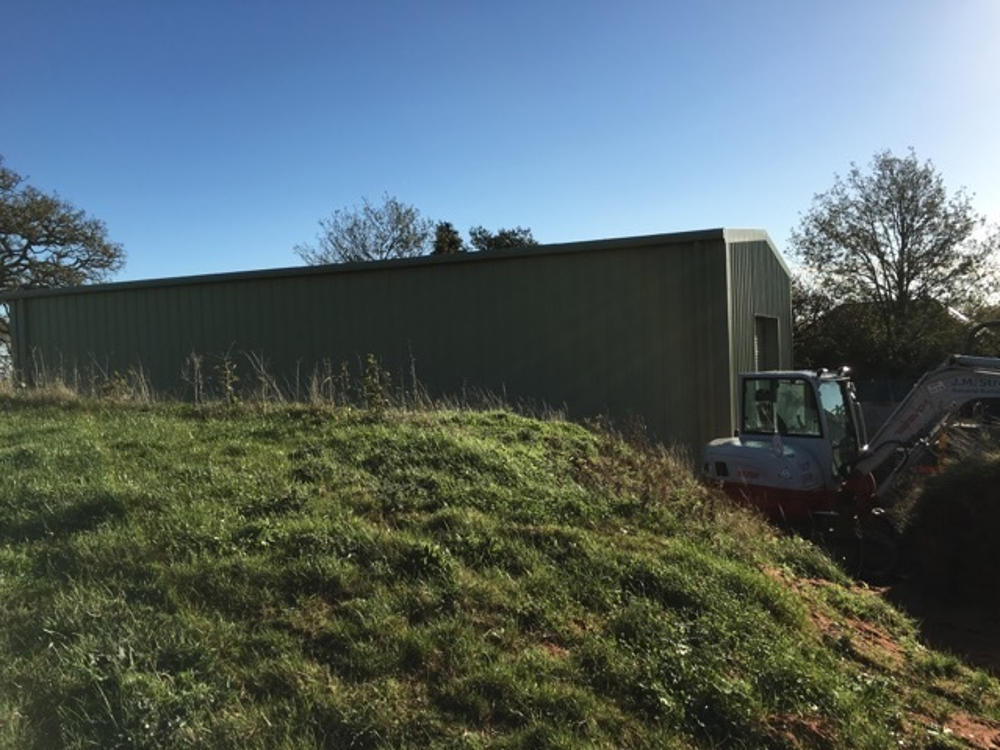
(447, 240)
(482, 239)
(827, 335)
(893, 243)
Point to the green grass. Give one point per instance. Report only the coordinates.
(247, 577)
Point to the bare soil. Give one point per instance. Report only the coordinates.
(969, 632)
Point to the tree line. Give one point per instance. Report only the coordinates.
(393, 229)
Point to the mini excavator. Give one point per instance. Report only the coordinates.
(802, 456)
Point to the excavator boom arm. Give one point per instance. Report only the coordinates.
(936, 397)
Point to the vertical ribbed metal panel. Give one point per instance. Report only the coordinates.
(650, 329)
(759, 285)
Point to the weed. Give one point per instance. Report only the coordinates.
(193, 375)
(227, 379)
(376, 383)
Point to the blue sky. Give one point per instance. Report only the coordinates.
(212, 136)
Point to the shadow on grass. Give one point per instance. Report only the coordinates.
(70, 517)
(970, 630)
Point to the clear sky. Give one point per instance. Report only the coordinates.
(212, 135)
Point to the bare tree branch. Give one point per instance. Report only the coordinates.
(390, 230)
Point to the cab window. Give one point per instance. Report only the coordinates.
(786, 406)
(840, 422)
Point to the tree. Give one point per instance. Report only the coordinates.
(827, 335)
(810, 306)
(892, 240)
(482, 239)
(447, 240)
(391, 230)
(47, 242)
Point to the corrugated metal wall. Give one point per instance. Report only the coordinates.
(760, 285)
(638, 326)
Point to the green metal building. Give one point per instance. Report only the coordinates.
(655, 327)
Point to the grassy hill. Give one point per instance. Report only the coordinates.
(246, 577)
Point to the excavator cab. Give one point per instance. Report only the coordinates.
(821, 406)
(799, 433)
